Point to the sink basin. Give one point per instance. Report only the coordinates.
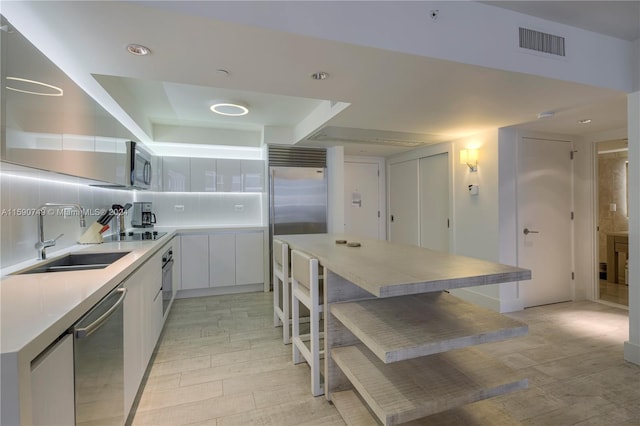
(76, 262)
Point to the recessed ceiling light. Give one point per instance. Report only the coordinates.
(138, 49)
(584, 121)
(37, 87)
(231, 109)
(546, 114)
(320, 75)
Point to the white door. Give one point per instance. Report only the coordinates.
(434, 202)
(544, 220)
(404, 208)
(362, 199)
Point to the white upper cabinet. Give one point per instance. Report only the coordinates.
(203, 174)
(229, 175)
(66, 131)
(176, 174)
(252, 175)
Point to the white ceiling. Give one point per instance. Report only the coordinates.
(388, 92)
(620, 19)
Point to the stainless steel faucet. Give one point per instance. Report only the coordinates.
(42, 244)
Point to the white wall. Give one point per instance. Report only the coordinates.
(335, 187)
(476, 218)
(632, 346)
(25, 188)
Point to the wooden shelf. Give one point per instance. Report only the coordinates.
(400, 328)
(408, 390)
(352, 409)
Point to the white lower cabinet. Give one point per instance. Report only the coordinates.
(249, 258)
(52, 385)
(222, 259)
(142, 323)
(195, 261)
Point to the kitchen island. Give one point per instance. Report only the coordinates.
(395, 335)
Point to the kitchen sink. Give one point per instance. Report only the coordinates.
(75, 262)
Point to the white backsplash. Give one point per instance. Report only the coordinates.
(24, 189)
(205, 209)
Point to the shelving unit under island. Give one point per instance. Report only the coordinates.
(398, 338)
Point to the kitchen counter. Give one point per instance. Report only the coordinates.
(35, 309)
(49, 303)
(43, 306)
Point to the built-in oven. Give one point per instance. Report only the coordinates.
(167, 279)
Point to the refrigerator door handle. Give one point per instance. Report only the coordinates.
(272, 202)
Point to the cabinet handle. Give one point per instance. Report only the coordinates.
(86, 331)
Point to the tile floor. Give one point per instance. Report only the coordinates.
(221, 362)
(614, 293)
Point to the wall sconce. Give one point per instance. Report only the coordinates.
(470, 158)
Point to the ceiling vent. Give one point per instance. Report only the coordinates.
(372, 137)
(541, 42)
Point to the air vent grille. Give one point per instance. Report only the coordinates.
(286, 156)
(541, 42)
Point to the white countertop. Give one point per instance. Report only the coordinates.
(37, 308)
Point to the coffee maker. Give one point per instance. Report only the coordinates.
(142, 215)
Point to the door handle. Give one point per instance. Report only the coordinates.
(527, 231)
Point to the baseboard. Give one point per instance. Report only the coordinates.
(217, 291)
(632, 352)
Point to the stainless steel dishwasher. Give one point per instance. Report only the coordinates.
(99, 362)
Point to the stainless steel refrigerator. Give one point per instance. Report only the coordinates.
(298, 200)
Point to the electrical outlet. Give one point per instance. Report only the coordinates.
(178, 207)
(239, 207)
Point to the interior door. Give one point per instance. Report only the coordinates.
(404, 225)
(544, 220)
(434, 202)
(362, 199)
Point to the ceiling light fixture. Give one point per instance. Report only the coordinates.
(138, 49)
(584, 121)
(56, 90)
(320, 75)
(230, 109)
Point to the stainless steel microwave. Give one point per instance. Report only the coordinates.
(139, 171)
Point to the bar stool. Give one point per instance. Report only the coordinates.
(281, 288)
(307, 289)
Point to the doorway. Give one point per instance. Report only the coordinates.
(613, 221)
(545, 220)
(404, 205)
(363, 192)
(434, 202)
